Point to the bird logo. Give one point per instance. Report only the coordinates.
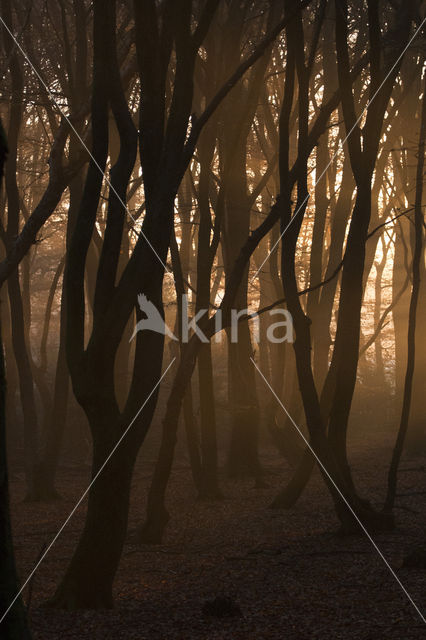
(153, 320)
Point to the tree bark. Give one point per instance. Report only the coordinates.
(15, 623)
(412, 317)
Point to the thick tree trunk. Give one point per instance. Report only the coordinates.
(14, 626)
(15, 623)
(88, 581)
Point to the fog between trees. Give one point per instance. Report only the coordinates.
(220, 165)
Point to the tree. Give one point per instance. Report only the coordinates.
(15, 623)
(88, 580)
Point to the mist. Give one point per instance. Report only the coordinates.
(212, 363)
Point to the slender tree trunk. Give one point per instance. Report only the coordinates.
(339, 219)
(56, 426)
(210, 488)
(192, 437)
(411, 337)
(416, 436)
(363, 159)
(313, 411)
(46, 471)
(400, 311)
(16, 305)
(180, 262)
(26, 384)
(243, 451)
(380, 365)
(157, 514)
(206, 250)
(12, 419)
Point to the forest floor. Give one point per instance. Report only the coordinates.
(290, 574)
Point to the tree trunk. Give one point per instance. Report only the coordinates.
(88, 581)
(46, 470)
(209, 488)
(157, 515)
(15, 623)
(26, 384)
(411, 334)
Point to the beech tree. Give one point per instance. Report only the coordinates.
(15, 624)
(253, 157)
